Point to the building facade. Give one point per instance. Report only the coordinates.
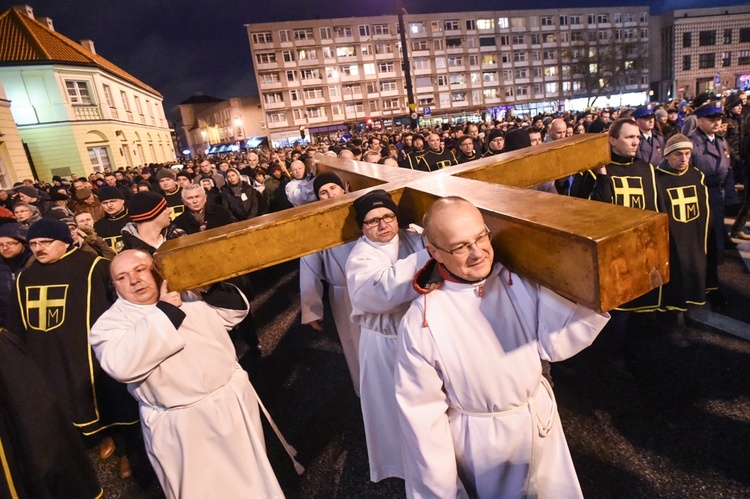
(75, 111)
(705, 50)
(326, 74)
(207, 125)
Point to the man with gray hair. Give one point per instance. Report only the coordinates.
(200, 215)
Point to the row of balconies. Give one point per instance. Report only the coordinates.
(95, 112)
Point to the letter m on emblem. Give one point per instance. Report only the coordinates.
(45, 306)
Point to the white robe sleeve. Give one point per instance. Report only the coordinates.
(376, 286)
(300, 192)
(129, 351)
(564, 327)
(311, 287)
(228, 317)
(429, 455)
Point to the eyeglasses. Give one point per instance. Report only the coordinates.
(465, 248)
(374, 222)
(11, 244)
(42, 243)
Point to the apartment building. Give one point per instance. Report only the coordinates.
(329, 74)
(705, 50)
(75, 111)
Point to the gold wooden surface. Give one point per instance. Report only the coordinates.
(600, 257)
(593, 253)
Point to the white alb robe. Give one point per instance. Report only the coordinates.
(329, 266)
(379, 277)
(477, 418)
(300, 192)
(199, 412)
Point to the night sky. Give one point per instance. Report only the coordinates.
(188, 46)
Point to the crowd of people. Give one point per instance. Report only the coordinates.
(82, 297)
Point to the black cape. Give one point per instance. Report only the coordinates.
(110, 229)
(54, 308)
(42, 453)
(684, 197)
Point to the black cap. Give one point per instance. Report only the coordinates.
(373, 199)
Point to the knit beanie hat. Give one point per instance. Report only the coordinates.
(146, 205)
(495, 134)
(373, 199)
(166, 173)
(676, 142)
(326, 178)
(49, 228)
(14, 230)
(516, 139)
(29, 191)
(108, 192)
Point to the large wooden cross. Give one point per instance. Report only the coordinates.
(594, 253)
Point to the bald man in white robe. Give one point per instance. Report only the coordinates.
(477, 417)
(199, 412)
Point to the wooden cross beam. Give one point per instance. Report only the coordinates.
(596, 254)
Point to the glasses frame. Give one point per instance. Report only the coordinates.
(374, 222)
(42, 244)
(459, 251)
(12, 244)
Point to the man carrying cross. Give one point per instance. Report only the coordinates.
(477, 417)
(379, 271)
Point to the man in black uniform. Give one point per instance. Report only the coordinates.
(627, 181)
(412, 159)
(466, 151)
(171, 191)
(683, 196)
(438, 156)
(495, 143)
(115, 219)
(58, 299)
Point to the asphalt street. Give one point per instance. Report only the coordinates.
(672, 420)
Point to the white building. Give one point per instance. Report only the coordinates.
(75, 111)
(330, 73)
(705, 50)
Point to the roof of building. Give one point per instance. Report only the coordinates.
(201, 99)
(28, 41)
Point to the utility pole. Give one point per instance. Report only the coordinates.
(407, 67)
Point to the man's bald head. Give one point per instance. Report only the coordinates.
(458, 238)
(346, 154)
(558, 129)
(132, 273)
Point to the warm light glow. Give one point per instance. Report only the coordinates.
(203, 133)
(238, 122)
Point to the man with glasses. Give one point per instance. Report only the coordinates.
(495, 143)
(379, 272)
(57, 300)
(466, 151)
(477, 417)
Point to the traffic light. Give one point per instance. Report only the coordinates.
(302, 131)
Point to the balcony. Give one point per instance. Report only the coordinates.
(274, 105)
(86, 113)
(278, 124)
